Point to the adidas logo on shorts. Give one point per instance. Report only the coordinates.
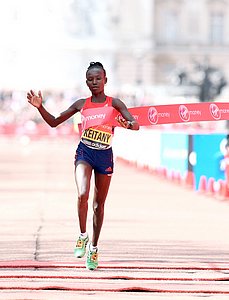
(109, 169)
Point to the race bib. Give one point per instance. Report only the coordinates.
(96, 138)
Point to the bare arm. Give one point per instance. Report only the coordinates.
(36, 101)
(127, 120)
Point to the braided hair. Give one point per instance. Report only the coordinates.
(96, 64)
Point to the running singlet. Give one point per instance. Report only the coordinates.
(98, 137)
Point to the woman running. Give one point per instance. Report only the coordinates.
(93, 154)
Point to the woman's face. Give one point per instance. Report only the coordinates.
(95, 80)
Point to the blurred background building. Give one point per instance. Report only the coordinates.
(191, 42)
(155, 51)
(147, 42)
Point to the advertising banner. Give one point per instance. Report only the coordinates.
(174, 152)
(209, 156)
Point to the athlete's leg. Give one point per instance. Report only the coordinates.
(83, 173)
(102, 183)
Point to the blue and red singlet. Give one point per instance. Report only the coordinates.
(96, 138)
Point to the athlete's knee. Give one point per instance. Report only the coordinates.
(83, 198)
(98, 207)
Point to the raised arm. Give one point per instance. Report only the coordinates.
(127, 120)
(37, 101)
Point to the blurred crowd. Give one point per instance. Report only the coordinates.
(15, 109)
(17, 115)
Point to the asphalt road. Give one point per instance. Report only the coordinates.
(160, 240)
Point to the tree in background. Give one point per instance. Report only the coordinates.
(209, 80)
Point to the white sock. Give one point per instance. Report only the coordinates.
(93, 248)
(83, 235)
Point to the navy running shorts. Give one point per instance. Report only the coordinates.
(100, 160)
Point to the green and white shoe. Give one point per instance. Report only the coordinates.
(92, 259)
(80, 248)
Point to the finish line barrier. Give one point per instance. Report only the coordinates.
(159, 114)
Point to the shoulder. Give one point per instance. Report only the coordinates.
(116, 102)
(119, 104)
(78, 104)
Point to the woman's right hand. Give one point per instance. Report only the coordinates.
(35, 100)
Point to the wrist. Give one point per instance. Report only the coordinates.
(130, 124)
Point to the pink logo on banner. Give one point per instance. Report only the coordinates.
(215, 112)
(184, 113)
(153, 115)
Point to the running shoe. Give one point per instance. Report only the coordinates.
(80, 248)
(92, 259)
